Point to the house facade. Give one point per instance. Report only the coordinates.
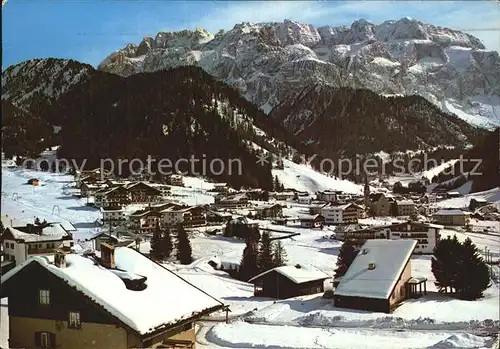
(327, 195)
(452, 217)
(425, 235)
(270, 211)
(51, 307)
(289, 281)
(22, 242)
(379, 278)
(113, 216)
(143, 222)
(406, 208)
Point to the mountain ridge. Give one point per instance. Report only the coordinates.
(266, 62)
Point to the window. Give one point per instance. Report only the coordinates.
(44, 297)
(74, 320)
(12, 245)
(45, 339)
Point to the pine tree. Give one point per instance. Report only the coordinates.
(166, 243)
(265, 259)
(156, 244)
(184, 251)
(279, 255)
(473, 277)
(440, 264)
(248, 265)
(346, 256)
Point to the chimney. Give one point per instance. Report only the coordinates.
(108, 256)
(60, 259)
(371, 266)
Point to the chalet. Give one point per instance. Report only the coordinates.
(342, 229)
(115, 197)
(144, 221)
(430, 199)
(34, 181)
(140, 192)
(120, 240)
(282, 196)
(341, 214)
(406, 208)
(119, 300)
(453, 194)
(304, 199)
(452, 217)
(426, 235)
(270, 211)
(476, 203)
(218, 216)
(176, 180)
(232, 201)
(379, 204)
(328, 195)
(163, 188)
(312, 221)
(289, 281)
(113, 216)
(379, 278)
(427, 210)
(21, 242)
(87, 189)
(188, 216)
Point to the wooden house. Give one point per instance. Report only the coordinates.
(269, 211)
(379, 204)
(452, 217)
(144, 221)
(312, 221)
(140, 192)
(379, 278)
(289, 281)
(119, 300)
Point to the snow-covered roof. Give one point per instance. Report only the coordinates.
(404, 202)
(52, 232)
(167, 299)
(390, 258)
(297, 273)
(451, 213)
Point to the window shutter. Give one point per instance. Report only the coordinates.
(52, 340)
(38, 341)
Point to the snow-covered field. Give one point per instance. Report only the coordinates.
(308, 322)
(492, 195)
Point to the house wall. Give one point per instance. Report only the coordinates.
(91, 335)
(332, 215)
(362, 303)
(275, 285)
(399, 292)
(381, 207)
(182, 333)
(16, 250)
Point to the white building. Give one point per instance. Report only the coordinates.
(333, 214)
(426, 235)
(20, 243)
(112, 216)
(327, 195)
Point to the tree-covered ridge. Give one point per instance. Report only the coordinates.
(356, 121)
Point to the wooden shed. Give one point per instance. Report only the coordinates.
(289, 281)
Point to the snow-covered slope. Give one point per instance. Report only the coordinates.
(267, 61)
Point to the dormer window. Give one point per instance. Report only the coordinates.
(44, 297)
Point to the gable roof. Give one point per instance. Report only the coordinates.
(390, 258)
(451, 213)
(167, 300)
(53, 232)
(297, 274)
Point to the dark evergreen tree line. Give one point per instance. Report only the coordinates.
(459, 268)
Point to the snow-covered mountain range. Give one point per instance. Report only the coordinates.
(267, 62)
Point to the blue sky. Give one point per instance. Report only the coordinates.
(89, 30)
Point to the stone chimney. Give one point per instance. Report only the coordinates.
(60, 259)
(108, 256)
